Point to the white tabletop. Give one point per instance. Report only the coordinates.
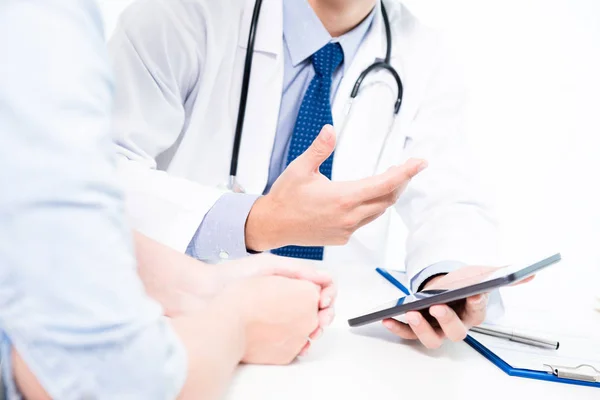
(369, 362)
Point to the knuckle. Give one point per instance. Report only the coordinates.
(343, 240)
(391, 200)
(318, 146)
(389, 186)
(314, 323)
(316, 293)
(447, 318)
(401, 334)
(319, 150)
(349, 224)
(477, 316)
(417, 330)
(311, 290)
(337, 241)
(407, 175)
(348, 235)
(378, 215)
(290, 358)
(396, 330)
(479, 319)
(345, 203)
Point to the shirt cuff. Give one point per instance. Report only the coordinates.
(222, 233)
(495, 307)
(442, 267)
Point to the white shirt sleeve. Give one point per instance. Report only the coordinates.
(71, 302)
(158, 64)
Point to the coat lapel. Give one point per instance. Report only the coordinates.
(264, 94)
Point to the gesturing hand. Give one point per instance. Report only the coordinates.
(305, 208)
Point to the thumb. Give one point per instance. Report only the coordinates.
(320, 149)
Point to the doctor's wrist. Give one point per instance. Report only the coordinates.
(430, 281)
(263, 231)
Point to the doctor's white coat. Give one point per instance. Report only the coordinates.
(179, 66)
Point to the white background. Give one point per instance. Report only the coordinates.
(533, 69)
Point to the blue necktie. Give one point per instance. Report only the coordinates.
(315, 112)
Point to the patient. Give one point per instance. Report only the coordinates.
(79, 318)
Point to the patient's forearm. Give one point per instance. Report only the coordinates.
(172, 278)
(215, 343)
(214, 340)
(26, 382)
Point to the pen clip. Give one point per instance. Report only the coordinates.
(575, 373)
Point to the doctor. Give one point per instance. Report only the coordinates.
(179, 67)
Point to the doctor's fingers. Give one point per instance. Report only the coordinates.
(357, 219)
(379, 204)
(399, 329)
(370, 219)
(368, 212)
(418, 328)
(475, 310)
(389, 181)
(430, 338)
(450, 323)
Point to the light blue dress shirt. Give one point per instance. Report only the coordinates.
(71, 302)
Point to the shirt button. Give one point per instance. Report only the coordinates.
(223, 255)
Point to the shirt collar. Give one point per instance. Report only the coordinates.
(304, 33)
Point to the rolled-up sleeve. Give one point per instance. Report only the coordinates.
(71, 303)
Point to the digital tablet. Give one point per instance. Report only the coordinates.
(462, 289)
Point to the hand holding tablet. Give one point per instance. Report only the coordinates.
(471, 285)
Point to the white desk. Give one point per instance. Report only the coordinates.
(370, 363)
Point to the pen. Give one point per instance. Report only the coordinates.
(510, 334)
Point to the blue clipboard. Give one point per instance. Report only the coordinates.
(487, 353)
(523, 373)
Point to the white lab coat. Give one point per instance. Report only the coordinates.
(179, 67)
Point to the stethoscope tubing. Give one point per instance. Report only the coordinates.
(385, 64)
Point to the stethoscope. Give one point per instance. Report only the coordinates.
(233, 184)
